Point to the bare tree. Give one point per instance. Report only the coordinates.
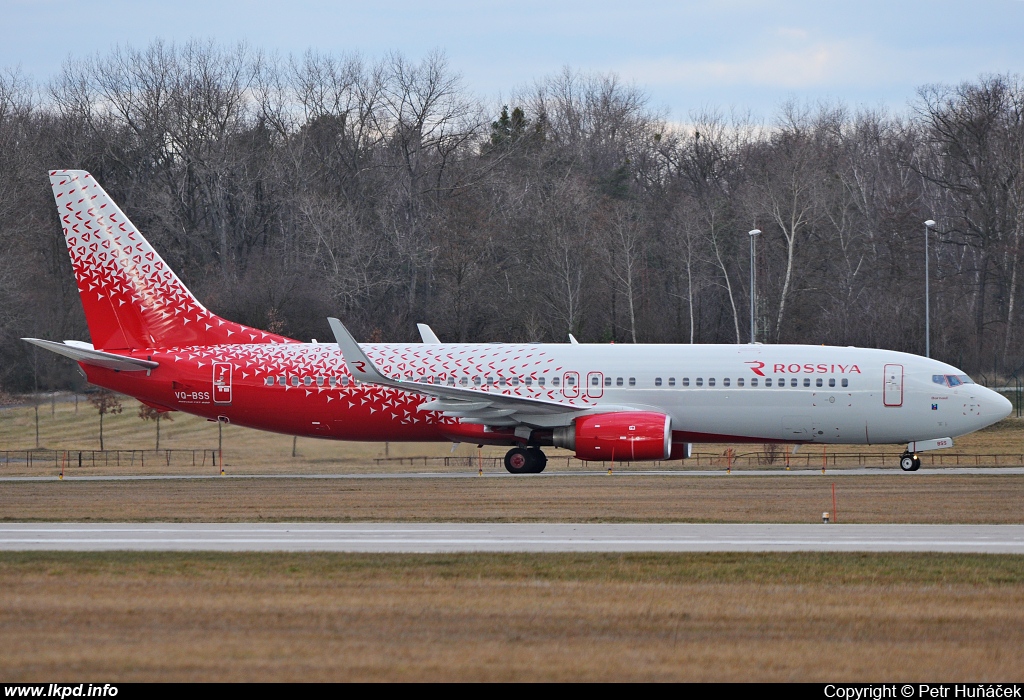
(105, 402)
(148, 413)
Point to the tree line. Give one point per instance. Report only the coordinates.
(286, 189)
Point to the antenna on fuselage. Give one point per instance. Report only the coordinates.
(572, 339)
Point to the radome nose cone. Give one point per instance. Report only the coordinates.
(1003, 406)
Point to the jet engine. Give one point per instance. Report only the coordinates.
(627, 437)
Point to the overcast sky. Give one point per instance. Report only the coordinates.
(745, 54)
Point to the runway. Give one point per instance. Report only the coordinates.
(511, 537)
(739, 473)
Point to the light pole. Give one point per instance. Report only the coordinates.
(928, 225)
(753, 286)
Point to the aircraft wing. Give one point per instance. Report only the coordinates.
(83, 352)
(471, 405)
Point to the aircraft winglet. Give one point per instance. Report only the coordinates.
(361, 366)
(427, 334)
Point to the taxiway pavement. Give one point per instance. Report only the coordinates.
(510, 537)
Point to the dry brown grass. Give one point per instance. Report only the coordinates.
(681, 617)
(897, 498)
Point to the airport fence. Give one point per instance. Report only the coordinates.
(804, 460)
(109, 458)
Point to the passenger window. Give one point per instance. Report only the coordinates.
(595, 381)
(831, 381)
(846, 382)
(281, 381)
(554, 382)
(753, 382)
(767, 382)
(607, 381)
(686, 381)
(571, 381)
(671, 381)
(541, 381)
(476, 381)
(490, 381)
(700, 381)
(345, 381)
(793, 382)
(632, 381)
(529, 381)
(711, 381)
(725, 382)
(295, 381)
(269, 381)
(657, 381)
(451, 381)
(782, 383)
(618, 381)
(739, 382)
(807, 381)
(818, 381)
(308, 381)
(501, 381)
(320, 381)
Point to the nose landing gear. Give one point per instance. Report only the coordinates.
(520, 460)
(910, 462)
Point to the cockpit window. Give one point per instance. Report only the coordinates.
(965, 379)
(938, 379)
(953, 380)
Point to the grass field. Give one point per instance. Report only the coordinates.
(61, 427)
(898, 498)
(672, 617)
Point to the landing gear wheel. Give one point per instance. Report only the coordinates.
(540, 460)
(518, 461)
(910, 462)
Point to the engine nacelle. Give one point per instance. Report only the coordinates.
(626, 437)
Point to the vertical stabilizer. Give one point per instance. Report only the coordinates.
(132, 299)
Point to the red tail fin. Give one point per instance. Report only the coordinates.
(132, 299)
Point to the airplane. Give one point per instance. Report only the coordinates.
(153, 340)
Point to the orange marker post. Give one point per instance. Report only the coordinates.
(835, 511)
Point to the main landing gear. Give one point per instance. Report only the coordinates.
(525, 460)
(910, 462)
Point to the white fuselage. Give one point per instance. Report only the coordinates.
(799, 393)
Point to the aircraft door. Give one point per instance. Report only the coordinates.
(892, 392)
(571, 385)
(595, 385)
(222, 382)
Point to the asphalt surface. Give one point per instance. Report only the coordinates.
(835, 471)
(511, 537)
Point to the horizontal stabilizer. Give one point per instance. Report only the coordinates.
(81, 352)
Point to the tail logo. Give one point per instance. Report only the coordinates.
(222, 382)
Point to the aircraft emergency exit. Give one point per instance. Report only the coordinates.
(153, 340)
